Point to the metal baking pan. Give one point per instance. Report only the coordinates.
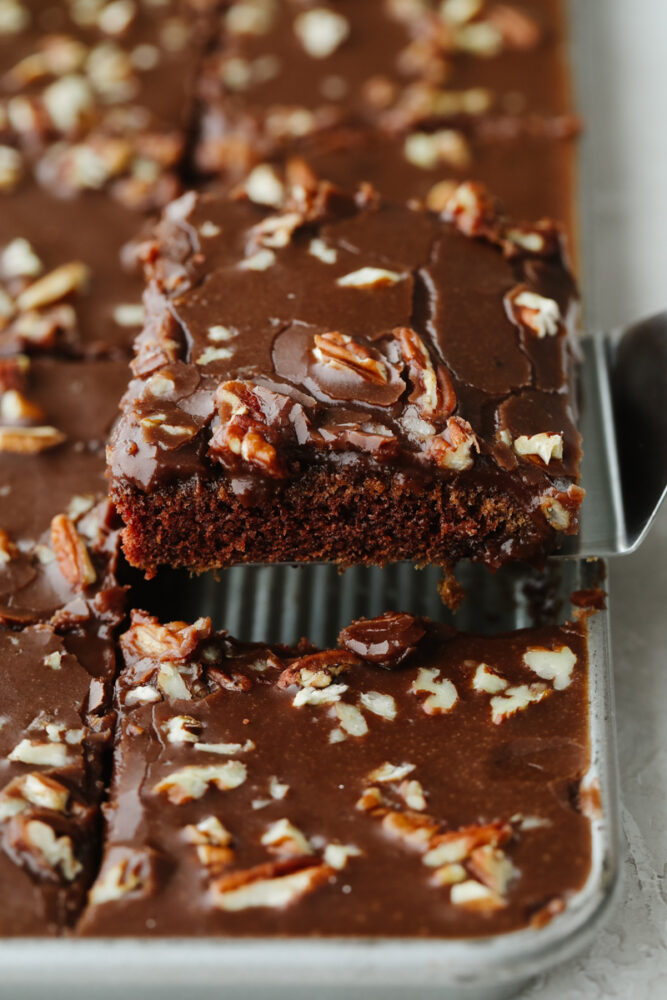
(283, 603)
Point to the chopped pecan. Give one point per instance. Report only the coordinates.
(453, 448)
(540, 314)
(229, 680)
(8, 550)
(55, 285)
(39, 847)
(283, 837)
(540, 238)
(125, 871)
(244, 433)
(276, 884)
(71, 552)
(29, 440)
(433, 394)
(193, 781)
(439, 195)
(339, 350)
(387, 640)
(472, 209)
(16, 408)
(170, 642)
(317, 670)
(41, 328)
(323, 202)
(246, 439)
(413, 828)
(457, 845)
(517, 29)
(376, 439)
(13, 373)
(492, 867)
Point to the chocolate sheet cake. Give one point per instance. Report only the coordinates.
(351, 381)
(413, 781)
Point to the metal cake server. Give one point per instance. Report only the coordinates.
(623, 422)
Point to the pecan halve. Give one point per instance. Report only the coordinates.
(453, 448)
(433, 393)
(318, 669)
(472, 209)
(339, 350)
(387, 640)
(71, 552)
(246, 439)
(168, 642)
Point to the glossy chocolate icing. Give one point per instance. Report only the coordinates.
(303, 740)
(78, 401)
(281, 72)
(55, 727)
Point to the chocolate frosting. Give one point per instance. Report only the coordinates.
(301, 742)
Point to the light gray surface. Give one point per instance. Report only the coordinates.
(621, 60)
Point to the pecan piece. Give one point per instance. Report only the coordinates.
(276, 884)
(55, 285)
(458, 845)
(169, 642)
(453, 448)
(29, 440)
(472, 209)
(72, 555)
(16, 408)
(517, 29)
(317, 670)
(246, 439)
(387, 640)
(339, 350)
(433, 394)
(39, 848)
(244, 436)
(13, 372)
(8, 550)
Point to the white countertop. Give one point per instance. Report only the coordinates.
(621, 63)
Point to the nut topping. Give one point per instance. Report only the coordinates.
(72, 555)
(34, 789)
(193, 782)
(453, 448)
(433, 395)
(442, 695)
(546, 445)
(172, 641)
(370, 277)
(273, 885)
(488, 681)
(339, 350)
(539, 314)
(318, 670)
(282, 837)
(321, 31)
(53, 852)
(8, 550)
(515, 699)
(54, 286)
(471, 209)
(552, 664)
(387, 640)
(29, 440)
